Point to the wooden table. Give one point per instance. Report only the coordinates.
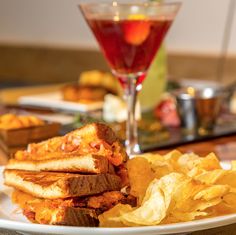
(224, 147)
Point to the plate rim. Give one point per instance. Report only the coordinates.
(196, 225)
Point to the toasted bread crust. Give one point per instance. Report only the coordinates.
(54, 185)
(82, 164)
(78, 217)
(95, 138)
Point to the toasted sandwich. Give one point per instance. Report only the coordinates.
(88, 163)
(95, 138)
(54, 185)
(70, 180)
(74, 211)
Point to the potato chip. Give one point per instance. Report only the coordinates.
(158, 164)
(192, 209)
(174, 188)
(188, 162)
(209, 163)
(161, 169)
(203, 205)
(152, 157)
(184, 194)
(152, 210)
(233, 163)
(230, 200)
(155, 203)
(195, 172)
(109, 218)
(210, 177)
(214, 191)
(228, 178)
(173, 157)
(140, 175)
(183, 217)
(222, 209)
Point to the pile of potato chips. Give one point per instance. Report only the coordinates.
(175, 188)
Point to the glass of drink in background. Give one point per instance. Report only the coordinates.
(129, 35)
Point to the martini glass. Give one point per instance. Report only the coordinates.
(129, 35)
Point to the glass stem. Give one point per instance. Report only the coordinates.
(132, 146)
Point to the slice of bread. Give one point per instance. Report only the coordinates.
(77, 164)
(94, 138)
(53, 185)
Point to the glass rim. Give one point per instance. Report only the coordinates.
(130, 3)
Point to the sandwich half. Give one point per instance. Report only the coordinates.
(95, 138)
(54, 185)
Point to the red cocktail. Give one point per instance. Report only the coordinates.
(129, 35)
(129, 45)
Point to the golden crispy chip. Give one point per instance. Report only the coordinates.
(228, 178)
(222, 209)
(163, 165)
(161, 169)
(175, 188)
(203, 205)
(183, 217)
(152, 157)
(195, 172)
(155, 203)
(210, 177)
(158, 164)
(212, 192)
(152, 210)
(230, 200)
(140, 175)
(172, 159)
(109, 218)
(188, 163)
(233, 165)
(209, 162)
(174, 155)
(193, 209)
(184, 194)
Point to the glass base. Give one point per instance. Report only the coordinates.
(132, 150)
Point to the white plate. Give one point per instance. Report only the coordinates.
(54, 100)
(11, 218)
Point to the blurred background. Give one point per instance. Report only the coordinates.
(46, 45)
(48, 41)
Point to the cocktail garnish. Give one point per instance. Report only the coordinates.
(136, 29)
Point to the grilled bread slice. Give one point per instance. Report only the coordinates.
(72, 211)
(53, 185)
(81, 164)
(95, 138)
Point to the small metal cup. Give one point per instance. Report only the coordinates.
(199, 109)
(187, 111)
(208, 104)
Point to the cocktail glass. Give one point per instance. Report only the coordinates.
(129, 35)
